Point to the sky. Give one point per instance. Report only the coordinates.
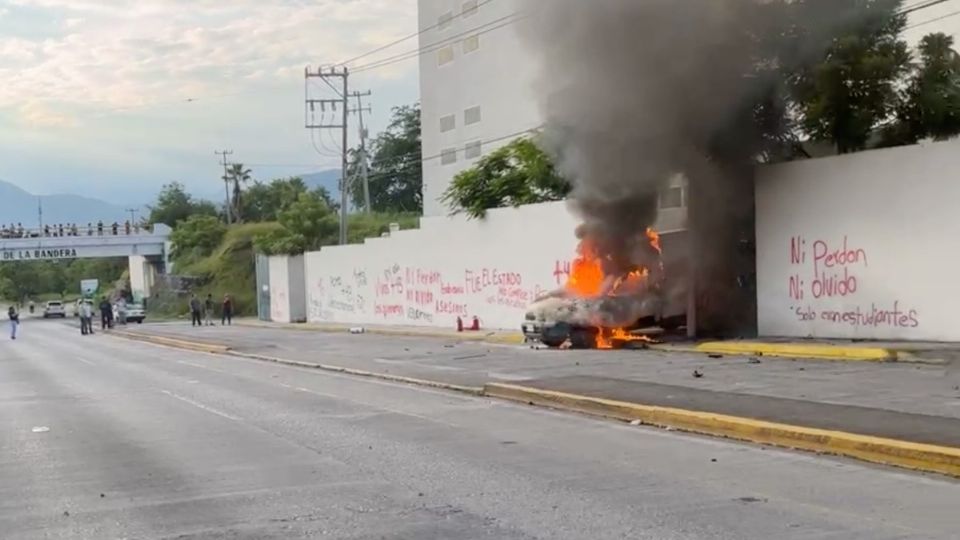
(114, 98)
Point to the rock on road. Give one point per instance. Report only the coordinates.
(105, 438)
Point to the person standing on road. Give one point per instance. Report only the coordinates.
(86, 318)
(106, 313)
(14, 321)
(196, 309)
(208, 310)
(226, 311)
(122, 311)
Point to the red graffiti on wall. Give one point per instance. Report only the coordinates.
(895, 317)
(834, 269)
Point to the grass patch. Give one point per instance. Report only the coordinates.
(230, 269)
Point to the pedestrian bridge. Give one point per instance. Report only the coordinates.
(148, 251)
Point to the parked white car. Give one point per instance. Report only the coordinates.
(54, 308)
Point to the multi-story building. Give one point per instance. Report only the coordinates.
(476, 87)
(477, 90)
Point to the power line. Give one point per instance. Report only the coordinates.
(411, 36)
(409, 157)
(476, 31)
(226, 179)
(921, 6)
(935, 19)
(326, 75)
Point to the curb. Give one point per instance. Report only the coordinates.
(506, 339)
(800, 350)
(915, 456)
(920, 457)
(475, 391)
(173, 342)
(224, 350)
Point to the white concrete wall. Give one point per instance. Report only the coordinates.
(287, 282)
(279, 289)
(143, 276)
(452, 266)
(498, 77)
(858, 246)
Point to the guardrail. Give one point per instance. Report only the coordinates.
(75, 231)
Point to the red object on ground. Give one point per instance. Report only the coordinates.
(476, 324)
(459, 324)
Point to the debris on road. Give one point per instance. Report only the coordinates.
(41, 429)
(716, 356)
(358, 330)
(636, 423)
(753, 360)
(697, 374)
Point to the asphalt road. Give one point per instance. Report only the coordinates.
(105, 438)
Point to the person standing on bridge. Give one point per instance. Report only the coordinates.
(14, 321)
(196, 311)
(100, 228)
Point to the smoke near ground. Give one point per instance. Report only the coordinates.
(633, 92)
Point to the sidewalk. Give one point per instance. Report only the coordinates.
(824, 402)
(838, 350)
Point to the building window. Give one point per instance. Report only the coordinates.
(448, 156)
(471, 44)
(473, 150)
(445, 20)
(473, 115)
(445, 55)
(448, 123)
(470, 8)
(671, 198)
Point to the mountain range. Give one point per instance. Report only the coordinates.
(19, 206)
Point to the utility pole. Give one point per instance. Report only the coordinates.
(329, 76)
(226, 186)
(364, 165)
(133, 214)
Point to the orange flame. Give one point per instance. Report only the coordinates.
(587, 280)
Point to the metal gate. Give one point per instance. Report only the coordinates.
(263, 287)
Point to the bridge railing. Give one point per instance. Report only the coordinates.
(72, 230)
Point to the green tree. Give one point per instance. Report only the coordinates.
(845, 95)
(307, 225)
(238, 176)
(174, 205)
(395, 166)
(197, 237)
(513, 175)
(930, 102)
(264, 201)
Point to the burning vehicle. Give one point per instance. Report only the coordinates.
(600, 308)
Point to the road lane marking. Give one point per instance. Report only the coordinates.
(201, 366)
(202, 406)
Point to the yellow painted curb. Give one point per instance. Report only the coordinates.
(363, 373)
(226, 351)
(798, 350)
(173, 342)
(501, 339)
(916, 456)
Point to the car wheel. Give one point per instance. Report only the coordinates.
(556, 335)
(583, 338)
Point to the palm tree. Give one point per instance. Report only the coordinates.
(238, 176)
